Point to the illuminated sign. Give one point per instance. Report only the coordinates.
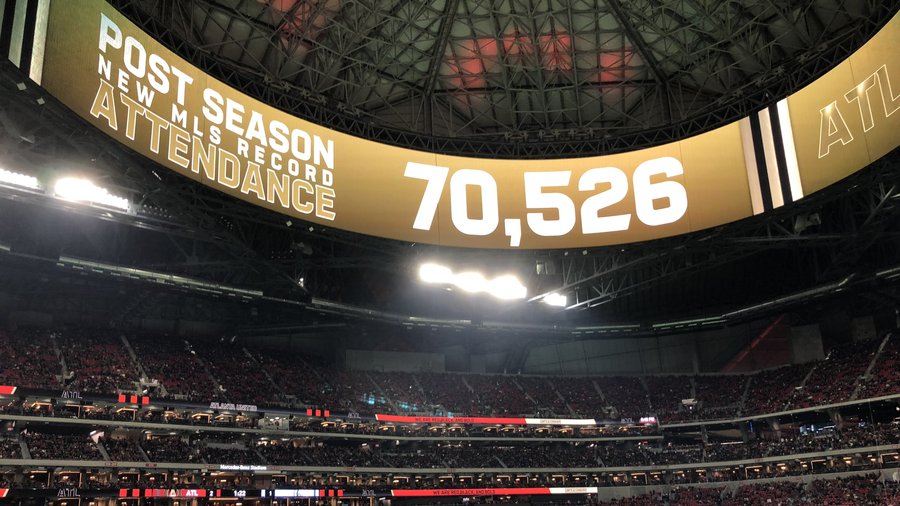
(306, 492)
(479, 420)
(132, 88)
(282, 493)
(133, 399)
(228, 406)
(162, 492)
(492, 491)
(241, 467)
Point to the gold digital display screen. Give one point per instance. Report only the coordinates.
(125, 83)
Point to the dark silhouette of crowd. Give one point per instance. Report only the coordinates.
(226, 371)
(61, 446)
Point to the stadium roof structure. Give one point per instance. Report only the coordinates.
(523, 78)
(510, 78)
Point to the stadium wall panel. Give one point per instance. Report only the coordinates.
(369, 360)
(806, 344)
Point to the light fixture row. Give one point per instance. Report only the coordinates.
(505, 287)
(73, 189)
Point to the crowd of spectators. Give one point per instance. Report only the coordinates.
(451, 392)
(239, 377)
(849, 436)
(234, 455)
(720, 390)
(221, 370)
(856, 490)
(617, 454)
(555, 456)
(771, 389)
(611, 431)
(174, 364)
(234, 449)
(675, 454)
(289, 453)
(10, 449)
(666, 393)
(885, 376)
(122, 450)
(581, 394)
(543, 392)
(353, 391)
(776, 493)
(498, 395)
(61, 447)
(97, 362)
(730, 450)
(859, 490)
(27, 358)
(627, 396)
(402, 388)
(717, 397)
(297, 377)
(675, 497)
(835, 378)
(169, 449)
(106, 413)
(434, 456)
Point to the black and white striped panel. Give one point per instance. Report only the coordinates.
(771, 158)
(23, 33)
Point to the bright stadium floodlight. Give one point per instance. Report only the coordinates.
(434, 273)
(506, 287)
(471, 282)
(16, 179)
(556, 300)
(82, 190)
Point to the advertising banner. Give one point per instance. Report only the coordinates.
(482, 420)
(438, 492)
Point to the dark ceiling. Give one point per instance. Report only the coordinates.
(515, 77)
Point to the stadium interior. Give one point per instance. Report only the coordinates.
(165, 342)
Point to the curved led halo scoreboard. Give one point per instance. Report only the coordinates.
(128, 85)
